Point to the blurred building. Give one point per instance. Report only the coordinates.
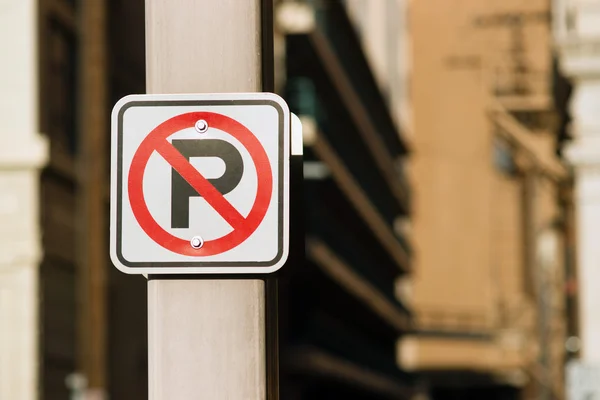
(442, 280)
(61, 304)
(492, 221)
(342, 315)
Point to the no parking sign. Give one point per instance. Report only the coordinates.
(200, 183)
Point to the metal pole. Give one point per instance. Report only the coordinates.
(206, 337)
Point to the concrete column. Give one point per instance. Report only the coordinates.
(577, 35)
(585, 157)
(22, 154)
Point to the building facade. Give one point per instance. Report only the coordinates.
(339, 341)
(56, 289)
(491, 226)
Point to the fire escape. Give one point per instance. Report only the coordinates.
(522, 113)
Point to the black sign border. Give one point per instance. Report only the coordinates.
(200, 264)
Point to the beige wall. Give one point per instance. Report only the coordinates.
(469, 223)
(474, 233)
(452, 169)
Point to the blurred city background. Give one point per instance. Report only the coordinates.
(451, 200)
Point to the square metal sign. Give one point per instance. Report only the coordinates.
(200, 183)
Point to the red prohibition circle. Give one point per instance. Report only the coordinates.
(243, 227)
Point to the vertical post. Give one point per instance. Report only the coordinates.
(92, 164)
(206, 337)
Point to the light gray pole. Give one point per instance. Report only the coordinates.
(206, 337)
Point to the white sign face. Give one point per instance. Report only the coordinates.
(200, 184)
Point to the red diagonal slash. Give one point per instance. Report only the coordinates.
(200, 184)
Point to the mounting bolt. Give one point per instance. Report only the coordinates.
(197, 242)
(201, 126)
